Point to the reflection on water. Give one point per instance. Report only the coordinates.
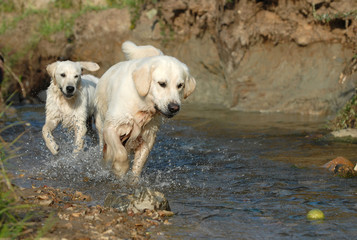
(227, 175)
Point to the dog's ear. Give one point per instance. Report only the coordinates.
(142, 79)
(51, 69)
(90, 66)
(190, 83)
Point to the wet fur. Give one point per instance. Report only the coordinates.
(130, 104)
(73, 112)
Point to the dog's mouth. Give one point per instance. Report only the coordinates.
(166, 114)
(67, 95)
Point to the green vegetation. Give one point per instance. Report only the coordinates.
(346, 117)
(16, 219)
(59, 17)
(11, 224)
(135, 7)
(64, 4)
(7, 6)
(327, 17)
(43, 24)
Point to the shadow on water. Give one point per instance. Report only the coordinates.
(227, 175)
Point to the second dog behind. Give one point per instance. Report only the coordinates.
(70, 100)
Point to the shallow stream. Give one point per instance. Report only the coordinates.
(227, 175)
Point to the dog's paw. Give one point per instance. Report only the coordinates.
(77, 149)
(54, 149)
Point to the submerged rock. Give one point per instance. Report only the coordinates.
(344, 171)
(341, 167)
(142, 199)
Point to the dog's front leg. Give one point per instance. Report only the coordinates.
(142, 153)
(79, 131)
(47, 129)
(99, 127)
(113, 150)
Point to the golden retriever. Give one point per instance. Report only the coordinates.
(70, 100)
(130, 99)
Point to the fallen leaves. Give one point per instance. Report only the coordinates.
(74, 219)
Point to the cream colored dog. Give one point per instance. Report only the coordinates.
(131, 97)
(70, 100)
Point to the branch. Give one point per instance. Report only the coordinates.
(7, 68)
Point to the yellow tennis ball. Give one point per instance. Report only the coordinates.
(315, 214)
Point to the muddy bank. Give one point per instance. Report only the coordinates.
(269, 56)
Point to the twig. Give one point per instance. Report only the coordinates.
(17, 79)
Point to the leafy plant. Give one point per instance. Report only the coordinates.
(346, 117)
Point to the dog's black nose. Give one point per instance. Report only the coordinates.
(173, 107)
(70, 89)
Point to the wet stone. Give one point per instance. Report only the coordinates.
(341, 167)
(119, 201)
(344, 171)
(344, 135)
(142, 199)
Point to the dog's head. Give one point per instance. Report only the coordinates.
(67, 75)
(164, 81)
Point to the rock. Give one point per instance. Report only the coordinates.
(342, 167)
(348, 135)
(146, 198)
(255, 88)
(331, 165)
(142, 199)
(120, 201)
(349, 132)
(222, 42)
(344, 171)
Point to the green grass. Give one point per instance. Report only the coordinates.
(11, 225)
(327, 17)
(346, 118)
(15, 218)
(7, 6)
(44, 24)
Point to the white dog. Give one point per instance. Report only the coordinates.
(131, 51)
(70, 100)
(131, 97)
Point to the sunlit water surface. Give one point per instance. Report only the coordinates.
(227, 175)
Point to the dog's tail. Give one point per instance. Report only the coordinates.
(133, 51)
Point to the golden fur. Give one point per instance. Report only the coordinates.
(131, 97)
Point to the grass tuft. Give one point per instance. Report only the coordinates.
(346, 118)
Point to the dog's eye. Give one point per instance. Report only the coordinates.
(180, 85)
(162, 84)
(76, 76)
(63, 75)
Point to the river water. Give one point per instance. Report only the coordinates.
(227, 175)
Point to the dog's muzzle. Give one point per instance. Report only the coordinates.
(172, 110)
(70, 90)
